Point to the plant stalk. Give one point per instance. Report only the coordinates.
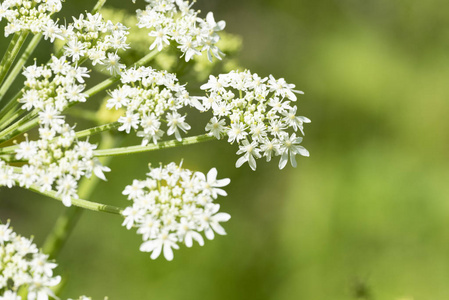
(162, 145)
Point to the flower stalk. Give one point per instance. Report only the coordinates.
(13, 49)
(19, 65)
(161, 145)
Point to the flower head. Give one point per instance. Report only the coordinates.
(257, 113)
(22, 265)
(173, 206)
(174, 20)
(151, 98)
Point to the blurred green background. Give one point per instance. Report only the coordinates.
(365, 217)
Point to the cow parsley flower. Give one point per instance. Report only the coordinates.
(57, 161)
(50, 88)
(151, 98)
(174, 20)
(23, 15)
(173, 206)
(22, 265)
(257, 113)
(91, 37)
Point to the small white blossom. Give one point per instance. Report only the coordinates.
(23, 15)
(174, 206)
(151, 98)
(57, 161)
(23, 265)
(259, 118)
(171, 20)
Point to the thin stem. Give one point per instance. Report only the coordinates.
(21, 126)
(11, 106)
(152, 147)
(98, 6)
(10, 118)
(80, 202)
(8, 150)
(10, 55)
(19, 65)
(102, 86)
(12, 44)
(98, 129)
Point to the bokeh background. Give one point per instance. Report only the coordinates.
(365, 217)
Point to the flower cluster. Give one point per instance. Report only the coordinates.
(89, 36)
(23, 15)
(174, 20)
(57, 161)
(256, 113)
(148, 96)
(22, 265)
(51, 87)
(174, 205)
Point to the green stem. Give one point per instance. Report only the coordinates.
(8, 109)
(15, 44)
(98, 6)
(21, 126)
(8, 150)
(152, 147)
(12, 44)
(67, 221)
(98, 129)
(80, 202)
(19, 65)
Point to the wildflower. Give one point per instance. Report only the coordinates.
(57, 161)
(173, 206)
(168, 18)
(259, 119)
(30, 15)
(22, 265)
(290, 147)
(154, 101)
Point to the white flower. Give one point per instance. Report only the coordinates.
(295, 121)
(151, 98)
(57, 161)
(259, 119)
(211, 219)
(280, 87)
(211, 184)
(161, 35)
(165, 242)
(129, 121)
(176, 122)
(290, 145)
(249, 151)
(22, 265)
(171, 20)
(174, 206)
(216, 127)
